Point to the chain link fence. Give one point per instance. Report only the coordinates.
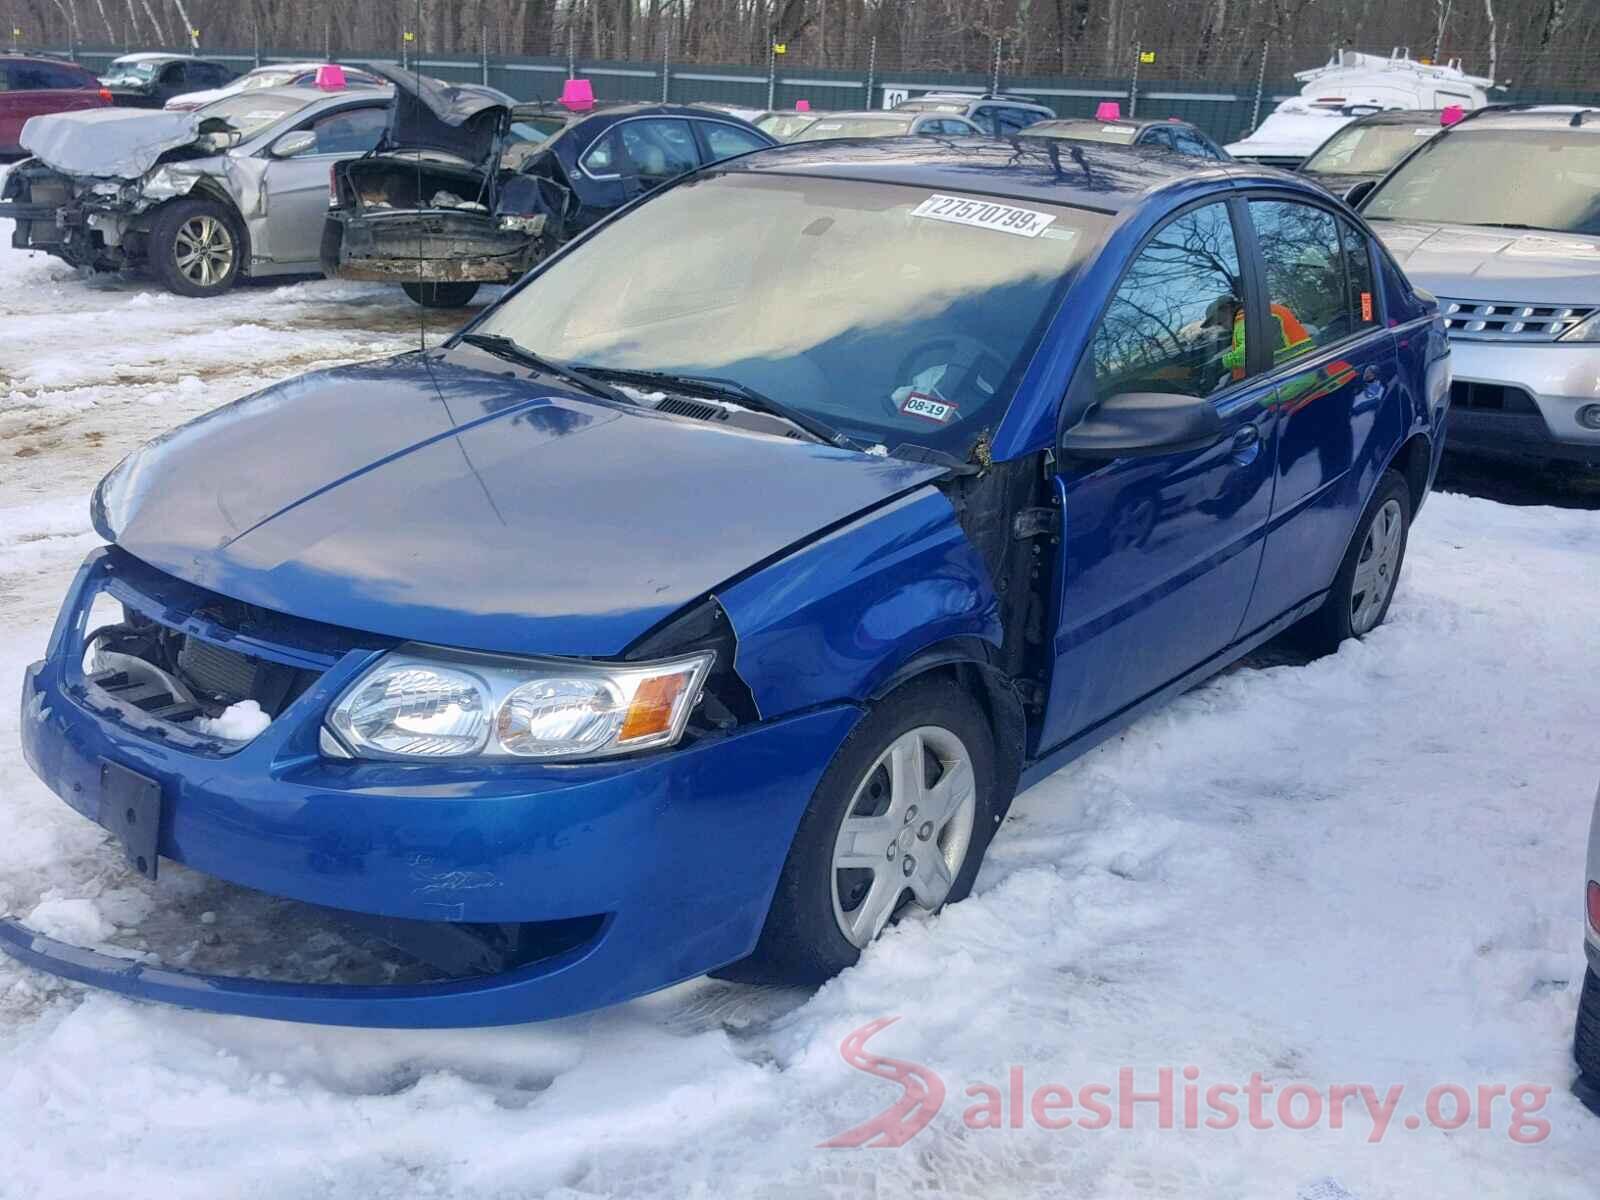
(1224, 96)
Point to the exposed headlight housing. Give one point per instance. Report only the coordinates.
(417, 704)
(1586, 330)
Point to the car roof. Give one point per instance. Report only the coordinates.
(969, 98)
(149, 56)
(874, 114)
(655, 108)
(1055, 171)
(310, 94)
(1125, 122)
(14, 56)
(1400, 116)
(303, 65)
(1530, 116)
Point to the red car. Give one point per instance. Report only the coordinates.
(32, 86)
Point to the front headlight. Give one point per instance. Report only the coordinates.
(1586, 330)
(419, 704)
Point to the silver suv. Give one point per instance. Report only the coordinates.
(996, 114)
(1499, 217)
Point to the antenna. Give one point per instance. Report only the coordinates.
(422, 309)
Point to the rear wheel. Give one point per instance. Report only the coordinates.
(899, 822)
(1586, 1044)
(196, 247)
(1359, 599)
(441, 295)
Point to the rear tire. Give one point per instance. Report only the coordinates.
(1363, 589)
(441, 295)
(824, 911)
(1586, 1041)
(196, 247)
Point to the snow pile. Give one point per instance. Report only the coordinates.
(238, 723)
(77, 921)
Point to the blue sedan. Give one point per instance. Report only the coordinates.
(703, 604)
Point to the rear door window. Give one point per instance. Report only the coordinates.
(658, 148)
(1358, 270)
(1157, 136)
(30, 77)
(724, 141)
(350, 130)
(1176, 323)
(1307, 289)
(1012, 121)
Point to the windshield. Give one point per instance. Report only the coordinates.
(784, 126)
(1085, 131)
(1543, 179)
(249, 114)
(1368, 149)
(892, 313)
(267, 79)
(848, 127)
(139, 69)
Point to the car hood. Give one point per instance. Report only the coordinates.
(107, 143)
(430, 115)
(1473, 262)
(470, 508)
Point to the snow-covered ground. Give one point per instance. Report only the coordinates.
(1365, 870)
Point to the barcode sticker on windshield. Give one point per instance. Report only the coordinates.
(1024, 222)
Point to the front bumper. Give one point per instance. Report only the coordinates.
(679, 852)
(1548, 383)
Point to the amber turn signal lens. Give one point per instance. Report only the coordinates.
(653, 706)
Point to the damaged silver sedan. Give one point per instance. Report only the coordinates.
(198, 199)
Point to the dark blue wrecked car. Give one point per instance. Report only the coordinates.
(704, 604)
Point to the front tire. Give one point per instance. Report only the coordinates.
(1359, 599)
(901, 818)
(196, 247)
(441, 295)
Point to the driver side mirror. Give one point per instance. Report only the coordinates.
(1355, 195)
(295, 142)
(1141, 424)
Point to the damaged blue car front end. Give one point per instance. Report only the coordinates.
(543, 888)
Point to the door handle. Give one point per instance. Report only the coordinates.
(1246, 445)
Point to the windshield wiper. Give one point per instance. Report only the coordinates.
(717, 386)
(1508, 225)
(503, 347)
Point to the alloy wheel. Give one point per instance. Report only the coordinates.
(907, 830)
(203, 250)
(1376, 568)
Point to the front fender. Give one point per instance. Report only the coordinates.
(837, 618)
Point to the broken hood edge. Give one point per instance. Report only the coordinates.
(107, 143)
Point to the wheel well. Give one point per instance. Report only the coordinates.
(206, 189)
(1413, 461)
(1000, 703)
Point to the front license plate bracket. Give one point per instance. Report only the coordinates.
(130, 807)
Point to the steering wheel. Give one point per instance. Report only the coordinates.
(966, 361)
